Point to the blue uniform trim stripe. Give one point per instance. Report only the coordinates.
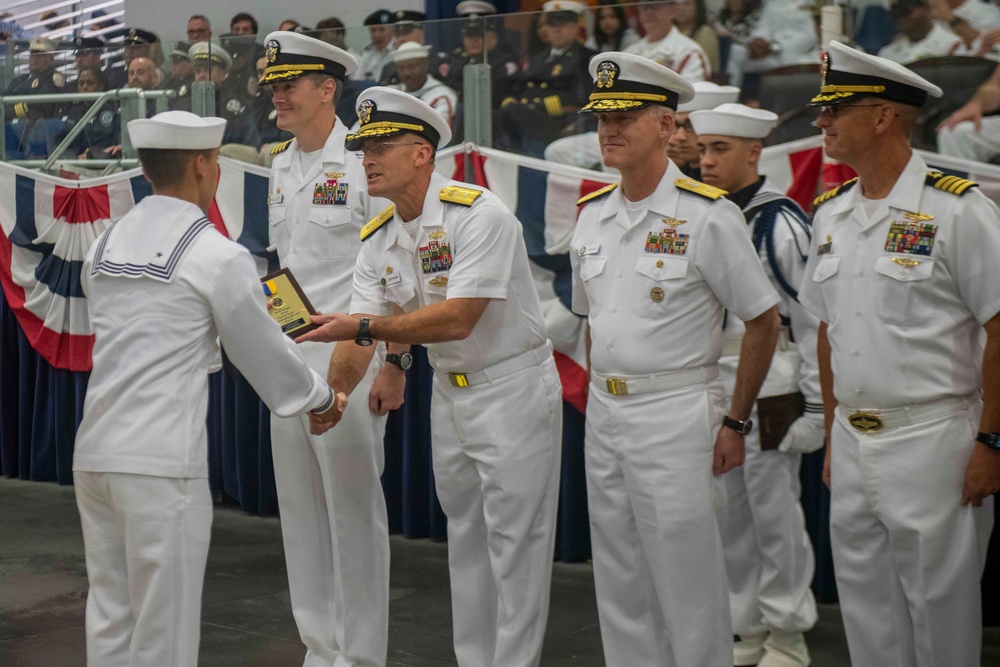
(164, 272)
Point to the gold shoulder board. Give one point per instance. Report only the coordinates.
(699, 188)
(596, 193)
(830, 194)
(457, 195)
(283, 146)
(377, 222)
(953, 184)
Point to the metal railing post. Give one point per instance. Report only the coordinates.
(477, 106)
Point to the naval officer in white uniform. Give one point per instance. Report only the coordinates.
(901, 275)
(657, 259)
(446, 267)
(163, 288)
(333, 516)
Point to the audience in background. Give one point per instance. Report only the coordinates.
(413, 66)
(243, 24)
(378, 52)
(198, 29)
(691, 19)
(101, 136)
(920, 36)
(611, 28)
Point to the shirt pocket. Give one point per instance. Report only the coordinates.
(591, 267)
(329, 234)
(904, 292)
(278, 229)
(400, 294)
(660, 277)
(827, 268)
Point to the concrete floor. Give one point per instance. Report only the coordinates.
(247, 619)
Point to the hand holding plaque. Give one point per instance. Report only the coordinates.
(287, 304)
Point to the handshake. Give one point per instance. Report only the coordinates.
(324, 421)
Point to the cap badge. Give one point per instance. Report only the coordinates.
(271, 50)
(365, 111)
(606, 73)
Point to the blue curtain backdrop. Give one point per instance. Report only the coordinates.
(41, 406)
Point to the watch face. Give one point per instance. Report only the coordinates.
(405, 361)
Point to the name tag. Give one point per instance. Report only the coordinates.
(275, 198)
(589, 250)
(391, 279)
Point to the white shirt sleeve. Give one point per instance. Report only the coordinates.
(369, 296)
(973, 252)
(485, 242)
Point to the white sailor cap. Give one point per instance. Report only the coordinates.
(202, 51)
(734, 120)
(849, 74)
(41, 45)
(178, 130)
(475, 8)
(410, 51)
(563, 11)
(708, 95)
(387, 112)
(291, 55)
(623, 81)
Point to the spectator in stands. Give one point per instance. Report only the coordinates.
(919, 35)
(407, 27)
(508, 40)
(691, 18)
(377, 53)
(181, 77)
(198, 29)
(666, 45)
(481, 35)
(554, 85)
(243, 24)
(737, 19)
(101, 138)
(611, 29)
(976, 22)
(143, 74)
(213, 63)
(289, 25)
(538, 36)
(138, 43)
(331, 30)
(249, 136)
(413, 64)
(51, 25)
(11, 30)
(972, 132)
(784, 35)
(42, 78)
(88, 52)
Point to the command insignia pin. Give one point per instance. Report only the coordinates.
(656, 294)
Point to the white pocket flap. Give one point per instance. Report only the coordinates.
(400, 293)
(592, 266)
(828, 266)
(662, 266)
(276, 214)
(330, 216)
(904, 268)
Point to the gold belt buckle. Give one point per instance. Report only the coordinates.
(458, 379)
(866, 422)
(617, 387)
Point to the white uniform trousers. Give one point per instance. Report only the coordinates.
(964, 141)
(659, 573)
(145, 540)
(769, 558)
(907, 556)
(334, 528)
(497, 449)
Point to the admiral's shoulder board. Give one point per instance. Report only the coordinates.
(699, 188)
(378, 222)
(457, 195)
(830, 194)
(596, 194)
(953, 184)
(282, 147)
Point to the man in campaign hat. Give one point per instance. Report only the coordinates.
(337, 549)
(446, 267)
(909, 356)
(163, 289)
(769, 558)
(376, 54)
(42, 79)
(658, 261)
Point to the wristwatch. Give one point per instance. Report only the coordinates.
(991, 440)
(743, 428)
(404, 360)
(363, 338)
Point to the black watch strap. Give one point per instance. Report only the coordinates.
(991, 440)
(403, 361)
(743, 428)
(364, 338)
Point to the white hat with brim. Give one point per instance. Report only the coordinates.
(623, 81)
(387, 112)
(410, 51)
(177, 130)
(734, 120)
(475, 8)
(708, 95)
(202, 51)
(849, 74)
(42, 45)
(291, 55)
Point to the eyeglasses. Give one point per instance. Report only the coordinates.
(382, 147)
(835, 111)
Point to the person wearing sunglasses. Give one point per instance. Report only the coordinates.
(900, 275)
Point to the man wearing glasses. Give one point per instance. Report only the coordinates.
(446, 267)
(900, 276)
(333, 516)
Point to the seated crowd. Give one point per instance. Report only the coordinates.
(538, 72)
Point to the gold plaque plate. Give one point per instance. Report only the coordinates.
(289, 305)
